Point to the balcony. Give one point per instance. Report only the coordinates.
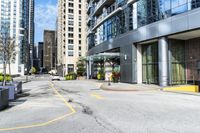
(100, 5)
(106, 15)
(90, 5)
(89, 19)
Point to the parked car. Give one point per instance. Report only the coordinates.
(52, 72)
(55, 77)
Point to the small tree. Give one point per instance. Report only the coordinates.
(4, 40)
(11, 53)
(81, 66)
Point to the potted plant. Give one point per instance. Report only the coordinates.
(115, 76)
(101, 74)
(81, 68)
(71, 76)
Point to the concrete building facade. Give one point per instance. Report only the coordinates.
(49, 50)
(17, 15)
(158, 41)
(71, 34)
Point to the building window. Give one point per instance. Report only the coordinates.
(70, 29)
(71, 23)
(79, 54)
(70, 35)
(71, 11)
(70, 53)
(70, 41)
(71, 17)
(70, 47)
(71, 5)
(70, 68)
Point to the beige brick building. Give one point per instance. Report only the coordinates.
(71, 34)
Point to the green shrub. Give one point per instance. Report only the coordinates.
(1, 78)
(33, 70)
(1, 74)
(8, 78)
(101, 74)
(71, 76)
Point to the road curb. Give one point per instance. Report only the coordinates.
(181, 92)
(110, 88)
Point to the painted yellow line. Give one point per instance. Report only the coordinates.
(97, 96)
(50, 121)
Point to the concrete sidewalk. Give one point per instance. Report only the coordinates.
(23, 79)
(129, 87)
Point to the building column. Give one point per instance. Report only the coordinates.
(139, 64)
(89, 68)
(163, 61)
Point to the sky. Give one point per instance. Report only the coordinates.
(45, 17)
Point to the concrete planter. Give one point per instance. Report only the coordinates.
(18, 86)
(13, 89)
(3, 98)
(11, 92)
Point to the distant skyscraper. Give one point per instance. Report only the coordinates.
(18, 15)
(50, 50)
(40, 53)
(31, 29)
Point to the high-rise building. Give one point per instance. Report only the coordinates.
(31, 30)
(71, 33)
(16, 16)
(49, 50)
(40, 54)
(151, 41)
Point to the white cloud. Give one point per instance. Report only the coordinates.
(45, 15)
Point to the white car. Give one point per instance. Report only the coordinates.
(55, 77)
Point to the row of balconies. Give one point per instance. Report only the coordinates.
(103, 16)
(103, 12)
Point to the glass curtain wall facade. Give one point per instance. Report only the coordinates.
(118, 24)
(149, 11)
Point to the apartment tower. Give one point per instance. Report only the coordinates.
(71, 34)
(18, 17)
(155, 41)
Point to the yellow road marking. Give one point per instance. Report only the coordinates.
(97, 96)
(50, 121)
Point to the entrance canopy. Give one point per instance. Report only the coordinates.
(103, 56)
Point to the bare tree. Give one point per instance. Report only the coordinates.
(4, 39)
(10, 53)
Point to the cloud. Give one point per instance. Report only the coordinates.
(45, 15)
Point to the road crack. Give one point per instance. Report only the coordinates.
(100, 122)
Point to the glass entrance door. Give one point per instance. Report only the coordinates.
(150, 63)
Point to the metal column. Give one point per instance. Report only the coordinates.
(163, 61)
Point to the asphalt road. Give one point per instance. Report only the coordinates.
(81, 107)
